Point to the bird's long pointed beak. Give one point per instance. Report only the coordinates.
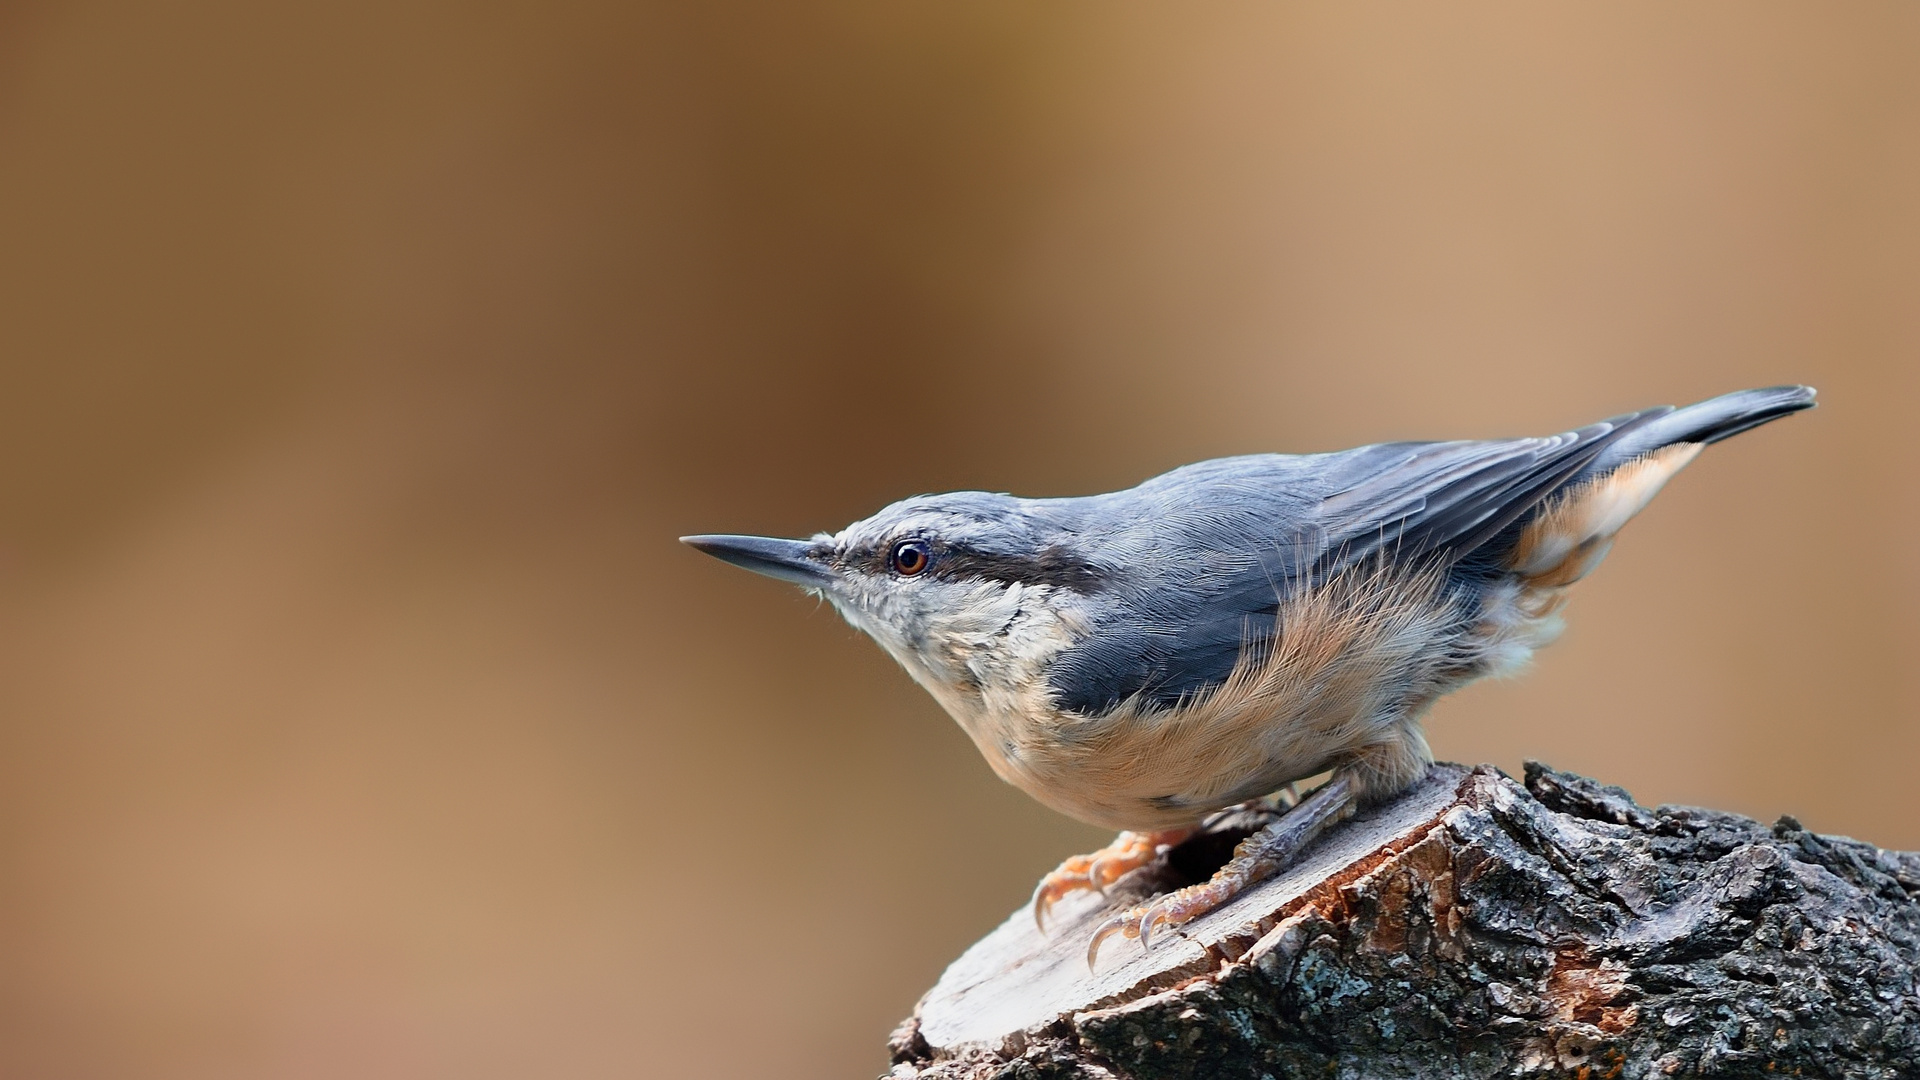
(788, 560)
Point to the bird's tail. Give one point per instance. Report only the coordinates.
(1570, 534)
(1706, 422)
(1566, 538)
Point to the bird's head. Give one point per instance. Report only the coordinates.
(966, 590)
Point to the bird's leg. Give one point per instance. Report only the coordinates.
(1129, 851)
(1258, 857)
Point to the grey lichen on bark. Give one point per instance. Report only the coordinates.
(1476, 927)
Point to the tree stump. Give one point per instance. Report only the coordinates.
(1472, 927)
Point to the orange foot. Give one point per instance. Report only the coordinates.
(1129, 851)
(1258, 858)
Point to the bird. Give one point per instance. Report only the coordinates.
(1142, 659)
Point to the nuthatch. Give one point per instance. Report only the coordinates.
(1141, 659)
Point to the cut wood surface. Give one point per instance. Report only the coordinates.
(1472, 927)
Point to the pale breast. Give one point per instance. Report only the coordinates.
(1354, 661)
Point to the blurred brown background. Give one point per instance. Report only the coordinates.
(359, 364)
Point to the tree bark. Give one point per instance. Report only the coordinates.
(1472, 927)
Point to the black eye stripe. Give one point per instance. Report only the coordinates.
(1049, 566)
(1052, 565)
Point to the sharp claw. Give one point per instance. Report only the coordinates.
(1107, 929)
(1153, 915)
(1135, 923)
(1093, 876)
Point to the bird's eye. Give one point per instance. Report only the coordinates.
(909, 557)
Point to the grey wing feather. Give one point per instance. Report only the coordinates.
(1410, 501)
(1227, 540)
